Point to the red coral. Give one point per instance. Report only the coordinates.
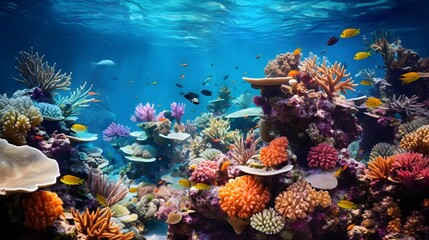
(322, 155)
(409, 167)
(206, 172)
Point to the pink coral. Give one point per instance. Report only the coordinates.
(275, 153)
(146, 113)
(205, 172)
(322, 155)
(177, 110)
(409, 167)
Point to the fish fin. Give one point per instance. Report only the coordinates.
(368, 53)
(358, 31)
(81, 181)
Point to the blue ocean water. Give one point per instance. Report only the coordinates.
(163, 49)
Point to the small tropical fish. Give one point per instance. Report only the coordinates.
(182, 76)
(349, 32)
(347, 204)
(130, 82)
(201, 186)
(258, 56)
(225, 165)
(350, 227)
(216, 140)
(154, 83)
(38, 137)
(72, 180)
(236, 67)
(192, 97)
(92, 93)
(160, 182)
(373, 102)
(162, 119)
(366, 82)
(103, 63)
(156, 190)
(133, 189)
(184, 183)
(292, 73)
(179, 85)
(78, 127)
(409, 77)
(323, 51)
(96, 100)
(361, 55)
(193, 166)
(245, 73)
(296, 51)
(332, 41)
(206, 92)
(225, 77)
(231, 147)
(101, 199)
(340, 170)
(184, 64)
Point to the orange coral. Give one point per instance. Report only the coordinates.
(379, 167)
(98, 225)
(299, 199)
(275, 153)
(417, 141)
(243, 196)
(42, 208)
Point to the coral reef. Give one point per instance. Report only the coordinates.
(177, 111)
(275, 153)
(116, 134)
(323, 155)
(268, 221)
(417, 141)
(282, 65)
(72, 105)
(99, 184)
(218, 131)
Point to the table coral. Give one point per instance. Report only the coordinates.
(322, 155)
(41, 208)
(299, 199)
(275, 153)
(243, 196)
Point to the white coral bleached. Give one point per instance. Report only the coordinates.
(268, 221)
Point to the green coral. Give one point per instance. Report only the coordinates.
(17, 117)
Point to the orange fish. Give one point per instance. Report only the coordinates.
(182, 77)
(296, 51)
(217, 140)
(231, 147)
(225, 165)
(293, 73)
(340, 170)
(156, 190)
(350, 227)
(92, 93)
(38, 137)
(162, 119)
(96, 100)
(184, 64)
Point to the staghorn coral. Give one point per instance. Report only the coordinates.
(41, 209)
(218, 130)
(243, 196)
(73, 104)
(322, 155)
(99, 184)
(196, 147)
(240, 153)
(17, 117)
(276, 153)
(404, 105)
(36, 73)
(282, 65)
(379, 167)
(97, 225)
(417, 141)
(299, 199)
(268, 221)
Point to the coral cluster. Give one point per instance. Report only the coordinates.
(323, 155)
(146, 113)
(177, 110)
(282, 65)
(268, 221)
(275, 153)
(417, 141)
(218, 131)
(115, 134)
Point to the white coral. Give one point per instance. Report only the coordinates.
(268, 221)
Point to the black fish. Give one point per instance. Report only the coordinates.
(191, 95)
(206, 92)
(226, 77)
(258, 56)
(332, 41)
(179, 85)
(236, 67)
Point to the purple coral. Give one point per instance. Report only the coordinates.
(146, 113)
(115, 132)
(177, 110)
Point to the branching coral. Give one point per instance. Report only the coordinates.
(275, 153)
(177, 110)
(97, 225)
(379, 167)
(17, 117)
(405, 105)
(41, 208)
(36, 73)
(146, 113)
(243, 196)
(116, 133)
(240, 153)
(73, 104)
(410, 127)
(300, 199)
(417, 141)
(218, 131)
(268, 221)
(99, 184)
(196, 146)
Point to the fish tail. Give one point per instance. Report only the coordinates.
(81, 181)
(358, 31)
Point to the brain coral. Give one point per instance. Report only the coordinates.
(275, 153)
(417, 141)
(299, 199)
(322, 155)
(243, 196)
(42, 208)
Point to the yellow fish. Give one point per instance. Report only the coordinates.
(71, 180)
(409, 77)
(349, 32)
(101, 199)
(340, 170)
(346, 204)
(361, 55)
(366, 82)
(201, 186)
(373, 102)
(133, 189)
(184, 183)
(296, 51)
(78, 127)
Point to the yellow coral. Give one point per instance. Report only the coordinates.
(218, 130)
(417, 141)
(299, 199)
(379, 167)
